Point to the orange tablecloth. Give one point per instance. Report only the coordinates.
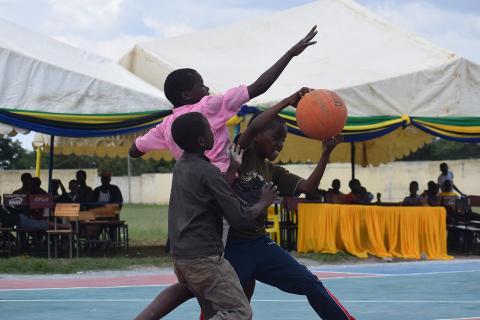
(404, 232)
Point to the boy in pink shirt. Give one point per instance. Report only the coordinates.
(185, 89)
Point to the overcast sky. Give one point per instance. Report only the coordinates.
(111, 27)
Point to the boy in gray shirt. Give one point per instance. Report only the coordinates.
(199, 199)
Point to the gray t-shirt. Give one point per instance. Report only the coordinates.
(442, 178)
(200, 197)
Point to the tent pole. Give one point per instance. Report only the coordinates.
(352, 155)
(50, 164)
(129, 172)
(50, 169)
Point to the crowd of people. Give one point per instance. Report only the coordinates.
(78, 192)
(440, 193)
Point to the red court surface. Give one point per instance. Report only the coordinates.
(124, 281)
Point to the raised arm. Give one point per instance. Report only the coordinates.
(311, 184)
(134, 152)
(154, 139)
(263, 119)
(266, 80)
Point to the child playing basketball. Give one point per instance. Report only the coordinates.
(253, 254)
(199, 198)
(185, 89)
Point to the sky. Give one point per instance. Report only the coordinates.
(111, 27)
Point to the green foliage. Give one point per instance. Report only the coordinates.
(441, 149)
(121, 261)
(14, 156)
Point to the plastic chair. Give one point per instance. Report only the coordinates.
(70, 212)
(274, 225)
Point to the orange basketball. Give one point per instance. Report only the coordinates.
(321, 114)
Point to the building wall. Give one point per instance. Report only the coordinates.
(391, 180)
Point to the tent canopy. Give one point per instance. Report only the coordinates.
(393, 82)
(51, 87)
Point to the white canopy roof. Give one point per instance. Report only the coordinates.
(40, 74)
(376, 67)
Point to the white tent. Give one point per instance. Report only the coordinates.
(377, 68)
(46, 80)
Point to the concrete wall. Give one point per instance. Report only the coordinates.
(391, 180)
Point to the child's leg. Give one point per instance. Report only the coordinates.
(166, 302)
(278, 268)
(214, 281)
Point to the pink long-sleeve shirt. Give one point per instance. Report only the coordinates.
(217, 109)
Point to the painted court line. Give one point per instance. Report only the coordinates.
(474, 318)
(254, 300)
(124, 281)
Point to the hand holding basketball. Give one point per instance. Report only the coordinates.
(330, 143)
(321, 114)
(295, 98)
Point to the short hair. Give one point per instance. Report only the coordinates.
(414, 183)
(353, 182)
(187, 128)
(25, 177)
(177, 82)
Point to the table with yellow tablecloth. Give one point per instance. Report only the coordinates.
(403, 232)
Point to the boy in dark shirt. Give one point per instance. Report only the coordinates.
(199, 199)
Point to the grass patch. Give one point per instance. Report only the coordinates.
(136, 257)
(147, 224)
(327, 257)
(147, 228)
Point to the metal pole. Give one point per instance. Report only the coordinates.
(129, 172)
(352, 155)
(38, 151)
(50, 172)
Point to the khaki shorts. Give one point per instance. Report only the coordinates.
(215, 284)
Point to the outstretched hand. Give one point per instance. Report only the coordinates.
(330, 143)
(304, 43)
(294, 98)
(236, 155)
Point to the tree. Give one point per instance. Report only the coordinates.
(441, 149)
(14, 156)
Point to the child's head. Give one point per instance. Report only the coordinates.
(192, 133)
(336, 184)
(184, 86)
(432, 188)
(355, 186)
(269, 141)
(26, 178)
(413, 187)
(73, 186)
(444, 168)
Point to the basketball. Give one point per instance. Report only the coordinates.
(321, 114)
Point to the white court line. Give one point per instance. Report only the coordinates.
(73, 288)
(254, 300)
(364, 276)
(368, 276)
(460, 318)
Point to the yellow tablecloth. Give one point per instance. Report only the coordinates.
(404, 232)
